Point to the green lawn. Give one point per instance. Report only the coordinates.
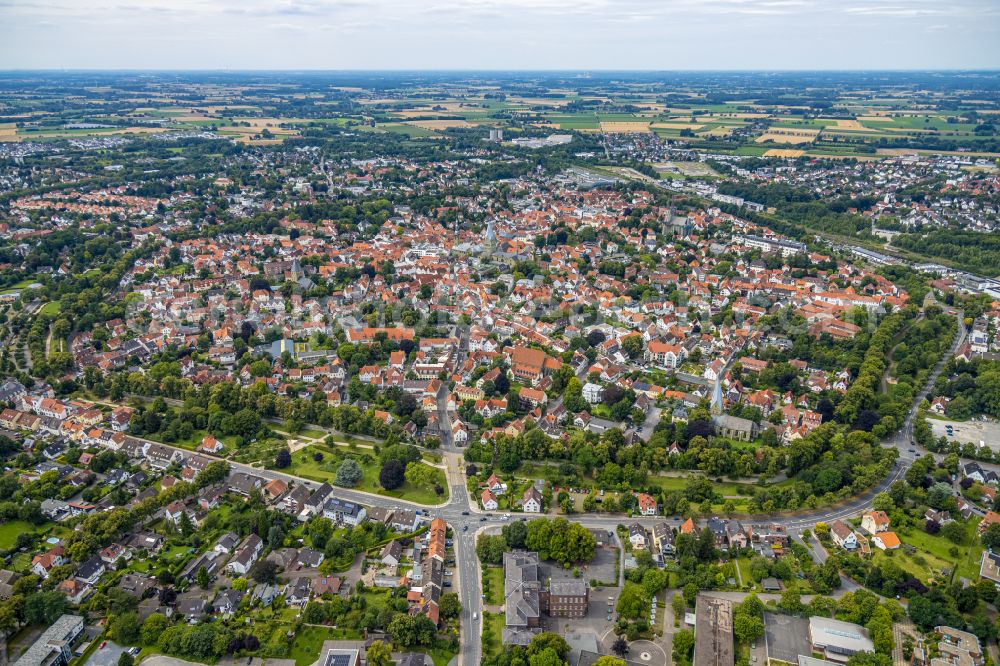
(51, 308)
(921, 564)
(305, 466)
(376, 598)
(494, 575)
(10, 531)
(309, 641)
(441, 656)
(939, 548)
(744, 565)
(495, 622)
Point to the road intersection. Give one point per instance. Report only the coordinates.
(467, 520)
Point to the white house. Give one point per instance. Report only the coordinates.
(246, 555)
(496, 486)
(637, 536)
(489, 500)
(532, 501)
(593, 393)
(843, 535)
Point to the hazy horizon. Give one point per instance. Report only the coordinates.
(500, 35)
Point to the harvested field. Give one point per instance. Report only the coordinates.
(192, 118)
(784, 152)
(717, 131)
(784, 135)
(203, 111)
(875, 119)
(434, 125)
(849, 125)
(229, 129)
(741, 115)
(273, 124)
(677, 126)
(531, 101)
(623, 127)
(258, 142)
(99, 132)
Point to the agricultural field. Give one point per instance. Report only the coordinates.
(849, 124)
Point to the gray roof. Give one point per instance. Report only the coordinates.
(53, 639)
(521, 587)
(838, 636)
(736, 423)
(568, 588)
(338, 657)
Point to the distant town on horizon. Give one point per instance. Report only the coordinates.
(497, 367)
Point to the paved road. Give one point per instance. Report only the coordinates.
(467, 520)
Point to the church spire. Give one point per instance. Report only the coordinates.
(717, 397)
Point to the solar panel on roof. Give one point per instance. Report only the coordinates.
(339, 659)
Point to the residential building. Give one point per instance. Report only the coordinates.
(55, 646)
(843, 536)
(875, 521)
(246, 555)
(532, 500)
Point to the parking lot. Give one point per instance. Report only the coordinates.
(601, 568)
(106, 656)
(786, 637)
(968, 432)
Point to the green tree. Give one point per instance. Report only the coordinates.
(349, 473)
(546, 657)
(392, 475)
(632, 602)
(490, 548)
(869, 659)
(683, 646)
(202, 578)
(126, 628)
(609, 661)
(154, 625)
(747, 627)
(548, 639)
(379, 654)
(449, 605)
(44, 608)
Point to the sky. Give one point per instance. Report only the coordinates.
(500, 34)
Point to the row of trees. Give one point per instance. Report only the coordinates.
(556, 539)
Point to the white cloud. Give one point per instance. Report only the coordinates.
(498, 34)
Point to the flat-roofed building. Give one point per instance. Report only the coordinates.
(713, 632)
(341, 657)
(55, 646)
(957, 648)
(838, 640)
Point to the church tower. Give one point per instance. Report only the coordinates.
(717, 404)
